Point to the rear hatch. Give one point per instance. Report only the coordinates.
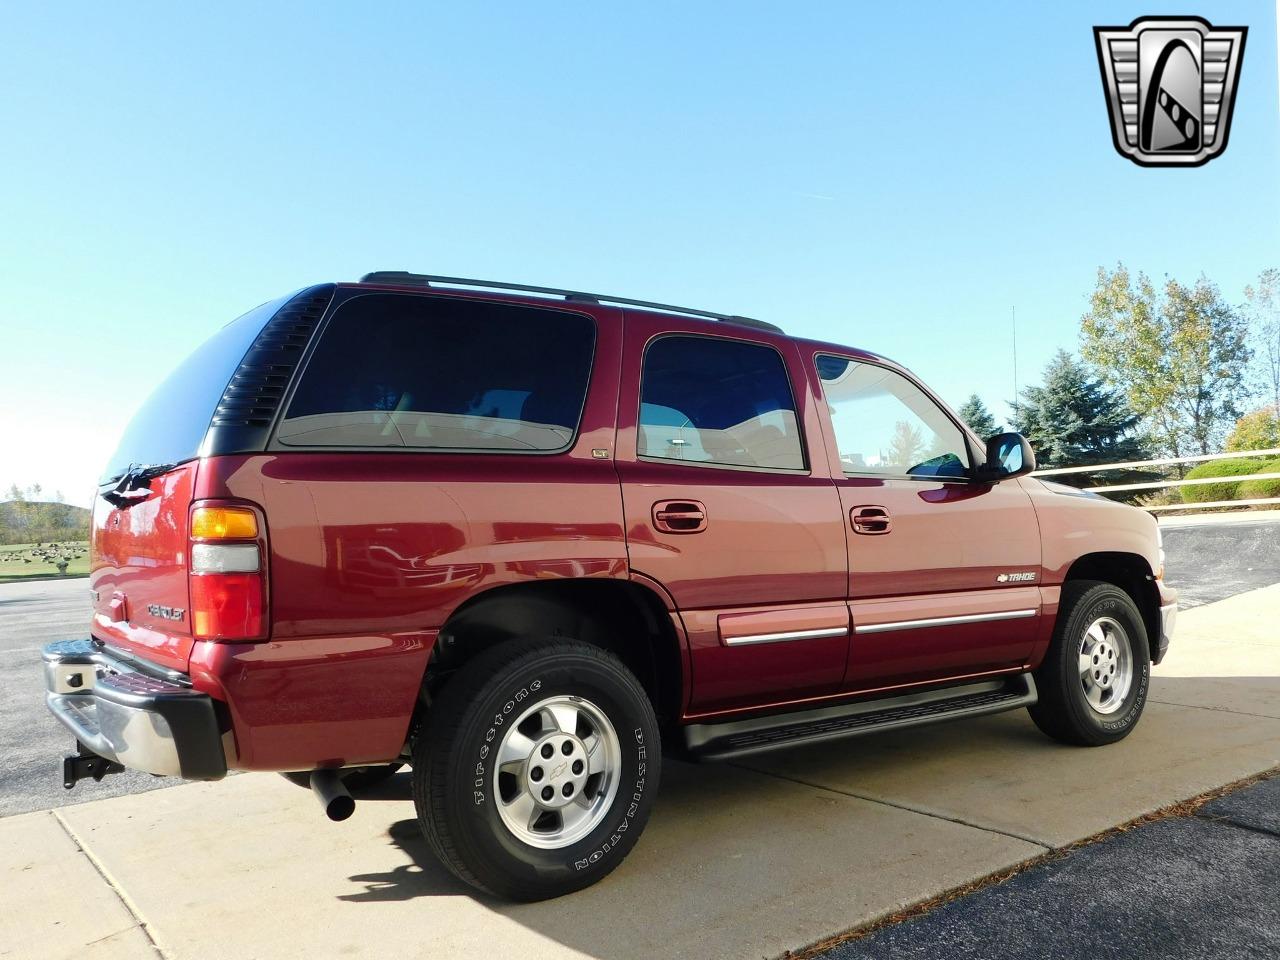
(138, 567)
(139, 550)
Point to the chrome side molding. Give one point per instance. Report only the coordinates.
(944, 621)
(786, 635)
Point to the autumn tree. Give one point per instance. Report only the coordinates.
(1259, 430)
(975, 413)
(1180, 355)
(1262, 310)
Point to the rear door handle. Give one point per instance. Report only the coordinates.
(870, 520)
(679, 516)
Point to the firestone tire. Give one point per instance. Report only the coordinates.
(355, 779)
(1095, 676)
(537, 768)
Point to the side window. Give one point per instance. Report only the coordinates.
(714, 401)
(888, 426)
(393, 370)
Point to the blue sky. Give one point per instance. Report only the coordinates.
(891, 180)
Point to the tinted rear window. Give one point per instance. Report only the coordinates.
(713, 401)
(394, 370)
(170, 425)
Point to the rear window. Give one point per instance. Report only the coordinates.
(393, 370)
(170, 425)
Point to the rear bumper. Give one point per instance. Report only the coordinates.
(138, 720)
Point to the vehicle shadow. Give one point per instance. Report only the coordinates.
(734, 861)
(769, 853)
(425, 876)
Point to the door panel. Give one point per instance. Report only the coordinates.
(753, 548)
(913, 638)
(942, 571)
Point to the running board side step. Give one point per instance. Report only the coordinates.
(738, 738)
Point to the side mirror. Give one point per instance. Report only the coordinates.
(1008, 456)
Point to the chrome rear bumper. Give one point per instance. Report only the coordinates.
(132, 718)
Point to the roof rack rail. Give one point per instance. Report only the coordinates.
(404, 278)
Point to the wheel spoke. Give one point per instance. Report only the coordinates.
(564, 717)
(596, 758)
(1085, 664)
(1096, 633)
(515, 750)
(523, 809)
(572, 815)
(1093, 693)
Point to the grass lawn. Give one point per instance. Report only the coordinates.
(23, 561)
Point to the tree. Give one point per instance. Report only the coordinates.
(906, 447)
(1262, 308)
(1073, 420)
(1259, 430)
(975, 413)
(1180, 356)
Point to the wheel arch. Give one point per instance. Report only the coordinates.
(1132, 574)
(627, 618)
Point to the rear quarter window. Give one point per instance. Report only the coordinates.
(171, 424)
(434, 373)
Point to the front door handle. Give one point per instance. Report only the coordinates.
(870, 520)
(679, 516)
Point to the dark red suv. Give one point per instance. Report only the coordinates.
(525, 541)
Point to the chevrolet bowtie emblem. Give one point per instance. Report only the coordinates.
(1170, 84)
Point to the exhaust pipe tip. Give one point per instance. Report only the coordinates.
(329, 789)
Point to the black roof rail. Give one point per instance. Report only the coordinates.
(404, 278)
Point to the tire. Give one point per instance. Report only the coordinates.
(486, 820)
(1094, 679)
(355, 779)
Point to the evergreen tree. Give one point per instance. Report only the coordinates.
(975, 413)
(1073, 420)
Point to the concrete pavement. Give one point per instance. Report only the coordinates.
(738, 860)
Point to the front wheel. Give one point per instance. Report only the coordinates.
(537, 768)
(1093, 681)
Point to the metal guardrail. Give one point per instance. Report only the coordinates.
(1170, 461)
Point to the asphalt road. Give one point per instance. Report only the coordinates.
(1210, 561)
(32, 743)
(1206, 562)
(1187, 888)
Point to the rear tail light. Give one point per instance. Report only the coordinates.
(224, 523)
(225, 558)
(227, 575)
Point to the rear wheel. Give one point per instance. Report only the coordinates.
(537, 768)
(1093, 682)
(354, 779)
